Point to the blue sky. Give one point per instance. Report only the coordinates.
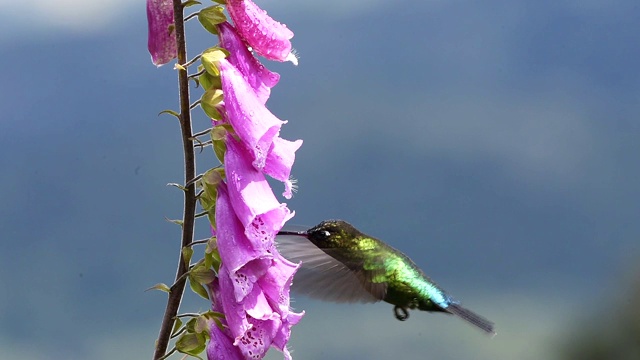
(493, 142)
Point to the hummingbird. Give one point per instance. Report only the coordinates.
(342, 264)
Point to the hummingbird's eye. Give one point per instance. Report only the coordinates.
(321, 234)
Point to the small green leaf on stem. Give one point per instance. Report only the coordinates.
(191, 344)
(197, 288)
(187, 253)
(191, 3)
(212, 260)
(202, 325)
(161, 287)
(175, 221)
(170, 112)
(210, 58)
(202, 275)
(218, 135)
(176, 326)
(209, 81)
(210, 17)
(208, 102)
(178, 186)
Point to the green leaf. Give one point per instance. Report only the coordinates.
(210, 17)
(202, 325)
(220, 132)
(212, 315)
(220, 149)
(197, 288)
(176, 326)
(207, 202)
(175, 221)
(221, 172)
(209, 184)
(208, 102)
(191, 3)
(213, 260)
(178, 186)
(212, 245)
(187, 253)
(202, 275)
(161, 287)
(212, 255)
(210, 58)
(170, 112)
(207, 80)
(191, 343)
(218, 135)
(221, 2)
(211, 215)
(191, 325)
(210, 181)
(208, 260)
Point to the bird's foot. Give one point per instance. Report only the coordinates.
(401, 313)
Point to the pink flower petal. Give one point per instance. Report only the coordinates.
(257, 306)
(255, 74)
(234, 247)
(244, 278)
(284, 333)
(220, 346)
(162, 37)
(277, 281)
(255, 342)
(266, 36)
(234, 312)
(280, 160)
(252, 336)
(252, 199)
(254, 124)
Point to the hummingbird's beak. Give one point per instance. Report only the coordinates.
(296, 233)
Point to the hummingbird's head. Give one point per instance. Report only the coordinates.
(332, 233)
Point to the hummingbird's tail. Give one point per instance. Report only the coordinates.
(471, 317)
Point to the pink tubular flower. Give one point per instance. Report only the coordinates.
(220, 346)
(259, 78)
(254, 296)
(162, 37)
(252, 198)
(266, 36)
(257, 127)
(234, 247)
(252, 121)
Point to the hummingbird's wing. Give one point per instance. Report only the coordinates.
(322, 276)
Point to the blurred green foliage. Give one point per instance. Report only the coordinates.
(611, 334)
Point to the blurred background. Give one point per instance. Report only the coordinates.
(495, 142)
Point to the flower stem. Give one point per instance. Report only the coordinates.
(177, 290)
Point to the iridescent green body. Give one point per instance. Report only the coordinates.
(346, 265)
(406, 285)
